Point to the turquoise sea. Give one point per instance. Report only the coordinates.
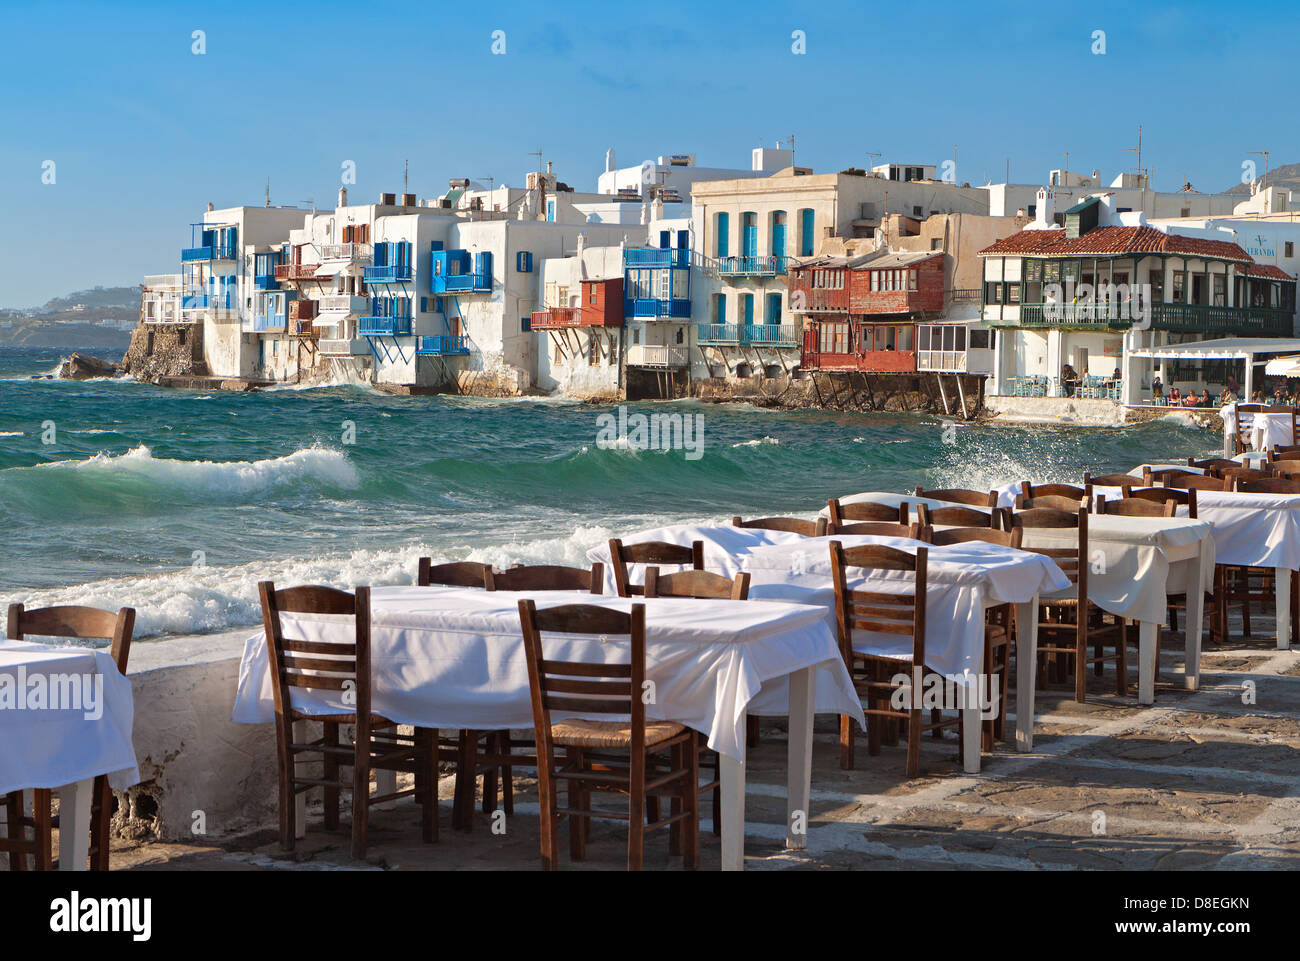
(179, 502)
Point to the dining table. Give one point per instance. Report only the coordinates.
(66, 715)
(1267, 429)
(451, 657)
(1134, 564)
(963, 582)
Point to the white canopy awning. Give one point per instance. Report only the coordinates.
(1223, 348)
(1283, 366)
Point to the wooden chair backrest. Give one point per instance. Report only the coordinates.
(1055, 490)
(548, 577)
(1060, 502)
(885, 613)
(1108, 480)
(842, 513)
(584, 687)
(955, 516)
(702, 584)
(651, 552)
(455, 574)
(1244, 421)
(1270, 485)
(1199, 482)
(1212, 463)
(1162, 495)
(964, 535)
(1165, 474)
(1246, 474)
(1280, 452)
(83, 623)
(1135, 507)
(317, 665)
(958, 495)
(793, 525)
(914, 530)
(1072, 561)
(1284, 468)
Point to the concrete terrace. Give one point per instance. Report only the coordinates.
(1196, 781)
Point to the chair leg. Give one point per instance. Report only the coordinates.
(13, 804)
(426, 780)
(636, 812)
(1081, 656)
(101, 814)
(751, 731)
(550, 821)
(846, 740)
(361, 793)
(331, 773)
(691, 831)
(507, 777)
(676, 758)
(914, 742)
(717, 793)
(573, 758)
(288, 799)
(1121, 661)
(42, 815)
(490, 775)
(466, 780)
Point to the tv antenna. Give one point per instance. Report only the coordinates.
(790, 141)
(1264, 154)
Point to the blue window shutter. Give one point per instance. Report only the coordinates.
(806, 232)
(525, 324)
(424, 304)
(721, 317)
(722, 239)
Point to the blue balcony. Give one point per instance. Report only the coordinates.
(265, 282)
(388, 273)
(459, 272)
(195, 301)
(762, 335)
(263, 322)
(650, 308)
(216, 252)
(443, 345)
(768, 266)
(657, 257)
(462, 283)
(384, 326)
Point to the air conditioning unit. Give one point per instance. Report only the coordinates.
(408, 200)
(388, 200)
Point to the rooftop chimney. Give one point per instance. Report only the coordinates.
(343, 197)
(210, 207)
(609, 160)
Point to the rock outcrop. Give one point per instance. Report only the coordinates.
(86, 367)
(159, 351)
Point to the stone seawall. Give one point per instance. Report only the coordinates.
(899, 393)
(159, 351)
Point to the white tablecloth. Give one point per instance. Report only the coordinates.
(1266, 430)
(725, 548)
(1130, 573)
(963, 579)
(1255, 530)
(454, 658)
(58, 744)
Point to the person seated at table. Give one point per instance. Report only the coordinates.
(1175, 397)
(1226, 396)
(1158, 390)
(1191, 400)
(1205, 397)
(1257, 397)
(1279, 396)
(1116, 376)
(1069, 380)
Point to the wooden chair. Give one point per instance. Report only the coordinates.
(1033, 491)
(1241, 475)
(958, 495)
(1212, 463)
(661, 757)
(705, 584)
(1284, 468)
(455, 574)
(1059, 636)
(1135, 507)
(955, 516)
(1057, 502)
(548, 577)
(1199, 482)
(873, 668)
(328, 666)
(964, 535)
(1269, 485)
(857, 511)
(650, 552)
(1279, 453)
(1164, 495)
(1108, 480)
(914, 530)
(1244, 420)
(83, 623)
(792, 525)
(1150, 478)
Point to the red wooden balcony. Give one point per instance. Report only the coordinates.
(557, 318)
(301, 315)
(296, 271)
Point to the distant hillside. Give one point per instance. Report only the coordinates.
(1287, 175)
(74, 320)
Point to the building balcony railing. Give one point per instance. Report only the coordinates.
(761, 335)
(442, 345)
(555, 317)
(460, 284)
(350, 303)
(265, 282)
(266, 322)
(650, 308)
(192, 301)
(657, 355)
(215, 252)
(1175, 318)
(965, 295)
(866, 361)
(301, 315)
(296, 271)
(771, 265)
(357, 253)
(657, 257)
(342, 348)
(384, 326)
(388, 273)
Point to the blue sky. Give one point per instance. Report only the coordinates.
(144, 132)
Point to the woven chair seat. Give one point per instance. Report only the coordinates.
(579, 733)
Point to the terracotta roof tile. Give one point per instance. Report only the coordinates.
(1269, 271)
(1111, 241)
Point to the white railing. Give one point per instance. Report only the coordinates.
(355, 252)
(657, 355)
(352, 304)
(163, 281)
(945, 360)
(341, 348)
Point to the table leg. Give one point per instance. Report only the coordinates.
(1147, 661)
(74, 825)
(799, 760)
(1195, 620)
(1282, 592)
(1026, 672)
(385, 783)
(972, 731)
(733, 806)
